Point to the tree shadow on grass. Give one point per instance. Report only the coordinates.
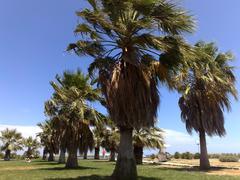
(102, 161)
(64, 168)
(45, 163)
(96, 177)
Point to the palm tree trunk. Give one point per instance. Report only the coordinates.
(204, 161)
(7, 155)
(112, 155)
(29, 153)
(51, 156)
(126, 166)
(85, 153)
(44, 154)
(61, 159)
(138, 153)
(72, 160)
(96, 154)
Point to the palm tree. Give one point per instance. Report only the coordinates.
(87, 139)
(72, 113)
(111, 141)
(134, 45)
(32, 146)
(11, 140)
(98, 132)
(58, 129)
(205, 95)
(62, 155)
(44, 157)
(49, 139)
(150, 138)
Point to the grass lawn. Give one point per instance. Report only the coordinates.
(94, 170)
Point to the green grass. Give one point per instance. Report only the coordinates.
(93, 170)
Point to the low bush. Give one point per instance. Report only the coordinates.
(196, 156)
(187, 155)
(214, 156)
(229, 159)
(177, 155)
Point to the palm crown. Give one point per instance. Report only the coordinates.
(150, 138)
(32, 145)
(137, 36)
(11, 139)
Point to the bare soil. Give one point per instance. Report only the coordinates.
(218, 168)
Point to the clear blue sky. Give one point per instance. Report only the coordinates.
(33, 38)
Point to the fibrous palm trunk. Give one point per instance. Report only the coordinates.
(138, 153)
(72, 160)
(112, 155)
(51, 156)
(85, 153)
(204, 161)
(96, 153)
(126, 166)
(61, 159)
(29, 153)
(44, 154)
(7, 155)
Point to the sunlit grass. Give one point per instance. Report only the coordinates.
(93, 170)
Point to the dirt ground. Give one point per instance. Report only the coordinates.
(225, 168)
(213, 162)
(219, 168)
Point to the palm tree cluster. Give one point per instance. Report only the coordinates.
(74, 126)
(71, 117)
(136, 46)
(13, 141)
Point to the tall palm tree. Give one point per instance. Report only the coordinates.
(150, 138)
(72, 113)
(206, 88)
(11, 140)
(49, 139)
(134, 44)
(32, 146)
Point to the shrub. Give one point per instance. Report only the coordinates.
(187, 155)
(228, 158)
(177, 155)
(214, 156)
(196, 156)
